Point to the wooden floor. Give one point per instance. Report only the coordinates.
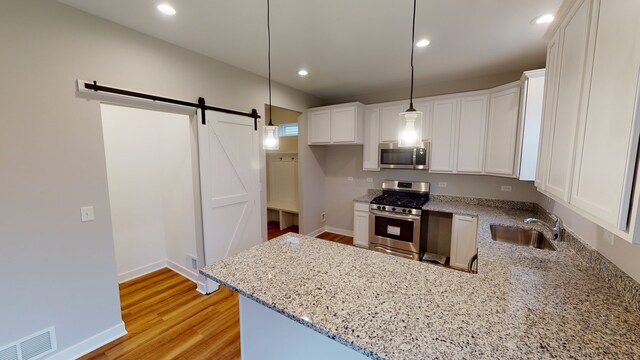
(273, 229)
(166, 318)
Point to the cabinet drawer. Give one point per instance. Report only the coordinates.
(361, 206)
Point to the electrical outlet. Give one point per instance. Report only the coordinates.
(369, 180)
(323, 217)
(86, 213)
(505, 188)
(608, 236)
(442, 184)
(350, 178)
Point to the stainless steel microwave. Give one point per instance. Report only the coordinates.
(394, 157)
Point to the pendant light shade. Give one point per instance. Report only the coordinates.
(409, 136)
(270, 137)
(270, 140)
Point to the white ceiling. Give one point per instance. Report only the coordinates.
(350, 47)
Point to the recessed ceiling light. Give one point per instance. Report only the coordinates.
(543, 19)
(303, 72)
(423, 43)
(166, 9)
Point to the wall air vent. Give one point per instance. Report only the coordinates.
(31, 347)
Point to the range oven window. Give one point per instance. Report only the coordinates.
(396, 156)
(396, 229)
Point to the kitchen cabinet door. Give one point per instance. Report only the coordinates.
(464, 244)
(471, 134)
(443, 135)
(343, 125)
(502, 132)
(370, 152)
(319, 127)
(532, 95)
(548, 110)
(574, 35)
(427, 112)
(607, 136)
(361, 224)
(390, 123)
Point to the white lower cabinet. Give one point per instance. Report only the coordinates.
(361, 224)
(464, 243)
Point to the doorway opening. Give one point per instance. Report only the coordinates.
(151, 167)
(282, 174)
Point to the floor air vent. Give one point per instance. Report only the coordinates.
(31, 347)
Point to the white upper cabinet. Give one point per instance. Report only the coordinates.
(390, 122)
(472, 131)
(319, 127)
(370, 157)
(548, 108)
(574, 40)
(502, 131)
(338, 124)
(588, 153)
(426, 108)
(531, 99)
(607, 136)
(443, 135)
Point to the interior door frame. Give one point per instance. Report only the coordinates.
(195, 161)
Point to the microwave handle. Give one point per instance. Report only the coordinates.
(415, 151)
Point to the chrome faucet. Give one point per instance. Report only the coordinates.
(556, 230)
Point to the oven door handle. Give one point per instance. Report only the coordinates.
(406, 217)
(380, 248)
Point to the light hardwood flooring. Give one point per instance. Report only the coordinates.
(166, 318)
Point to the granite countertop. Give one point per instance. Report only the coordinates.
(523, 303)
(371, 193)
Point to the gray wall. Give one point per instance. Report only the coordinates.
(342, 162)
(55, 269)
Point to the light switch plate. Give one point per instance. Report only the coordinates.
(369, 180)
(86, 213)
(442, 184)
(350, 178)
(505, 188)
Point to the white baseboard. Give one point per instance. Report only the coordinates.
(339, 231)
(316, 232)
(142, 271)
(189, 274)
(88, 345)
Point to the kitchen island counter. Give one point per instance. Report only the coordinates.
(523, 303)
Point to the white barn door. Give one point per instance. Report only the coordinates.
(229, 183)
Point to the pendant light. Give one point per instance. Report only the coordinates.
(270, 132)
(409, 135)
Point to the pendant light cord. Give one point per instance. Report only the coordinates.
(269, 59)
(413, 35)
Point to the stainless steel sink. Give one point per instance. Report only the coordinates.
(522, 237)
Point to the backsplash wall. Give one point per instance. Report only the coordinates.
(343, 162)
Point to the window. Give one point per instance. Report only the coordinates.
(290, 129)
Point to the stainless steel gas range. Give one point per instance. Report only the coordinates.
(397, 223)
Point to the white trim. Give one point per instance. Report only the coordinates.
(343, 232)
(316, 232)
(206, 286)
(88, 345)
(182, 271)
(129, 275)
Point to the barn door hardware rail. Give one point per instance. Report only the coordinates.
(88, 87)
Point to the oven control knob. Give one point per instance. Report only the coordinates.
(404, 210)
(393, 209)
(379, 207)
